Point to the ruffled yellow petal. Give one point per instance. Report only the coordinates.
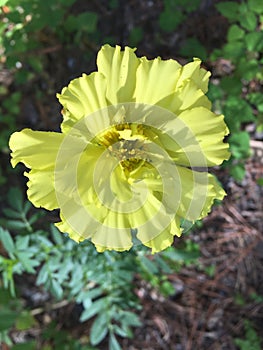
(215, 192)
(189, 95)
(156, 79)
(112, 234)
(119, 68)
(41, 191)
(193, 71)
(165, 238)
(36, 149)
(101, 249)
(195, 138)
(209, 130)
(65, 227)
(199, 190)
(82, 97)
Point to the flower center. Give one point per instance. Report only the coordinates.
(127, 143)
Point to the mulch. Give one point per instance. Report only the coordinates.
(209, 312)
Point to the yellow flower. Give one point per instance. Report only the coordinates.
(131, 161)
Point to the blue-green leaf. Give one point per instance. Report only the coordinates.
(22, 242)
(27, 262)
(99, 329)
(114, 345)
(56, 235)
(7, 240)
(96, 307)
(56, 289)
(15, 199)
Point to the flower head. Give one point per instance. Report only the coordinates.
(131, 161)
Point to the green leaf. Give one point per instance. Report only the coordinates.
(254, 41)
(192, 47)
(7, 318)
(56, 289)
(135, 36)
(15, 199)
(238, 171)
(25, 346)
(210, 270)
(3, 2)
(94, 293)
(256, 98)
(56, 235)
(96, 307)
(22, 242)
(42, 275)
(247, 69)
(129, 318)
(35, 64)
(114, 345)
(16, 225)
(252, 339)
(11, 213)
(237, 111)
(24, 321)
(229, 9)
(99, 329)
(242, 9)
(5, 297)
(87, 21)
(231, 85)
(235, 33)
(166, 288)
(180, 255)
(27, 262)
(148, 265)
(121, 332)
(234, 50)
(34, 218)
(239, 144)
(249, 21)
(7, 240)
(215, 92)
(113, 4)
(27, 207)
(165, 267)
(170, 19)
(256, 6)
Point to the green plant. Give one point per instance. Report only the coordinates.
(238, 94)
(175, 12)
(61, 340)
(13, 315)
(9, 111)
(251, 341)
(29, 26)
(101, 283)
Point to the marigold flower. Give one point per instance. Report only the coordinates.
(131, 161)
